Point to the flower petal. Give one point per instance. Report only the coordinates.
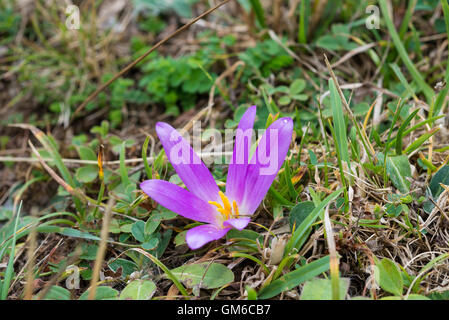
(238, 224)
(180, 201)
(240, 157)
(265, 163)
(199, 236)
(187, 164)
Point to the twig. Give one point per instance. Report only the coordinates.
(101, 249)
(334, 260)
(94, 162)
(29, 286)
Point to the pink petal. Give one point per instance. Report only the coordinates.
(265, 163)
(199, 236)
(240, 158)
(180, 201)
(238, 224)
(187, 164)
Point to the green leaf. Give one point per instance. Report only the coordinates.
(398, 170)
(58, 293)
(245, 233)
(164, 240)
(150, 244)
(295, 278)
(86, 174)
(441, 176)
(152, 223)
(247, 238)
(300, 97)
(300, 212)
(252, 294)
(102, 293)
(180, 238)
(282, 89)
(328, 42)
(77, 234)
(439, 295)
(298, 237)
(89, 251)
(164, 213)
(339, 122)
(284, 100)
(206, 275)
(126, 228)
(297, 86)
(417, 297)
(401, 131)
(86, 153)
(338, 39)
(321, 289)
(127, 266)
(391, 298)
(420, 141)
(138, 230)
(138, 290)
(388, 277)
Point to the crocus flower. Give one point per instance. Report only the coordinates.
(248, 180)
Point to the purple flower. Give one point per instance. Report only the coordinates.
(248, 181)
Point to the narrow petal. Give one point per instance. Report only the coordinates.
(265, 163)
(238, 224)
(199, 236)
(180, 201)
(241, 155)
(187, 164)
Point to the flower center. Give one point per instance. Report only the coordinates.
(227, 211)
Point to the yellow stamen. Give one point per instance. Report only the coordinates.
(226, 203)
(226, 210)
(215, 204)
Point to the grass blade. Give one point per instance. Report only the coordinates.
(419, 142)
(404, 82)
(426, 89)
(258, 10)
(407, 18)
(401, 131)
(148, 170)
(10, 268)
(295, 278)
(443, 93)
(302, 229)
(339, 122)
(123, 171)
(302, 32)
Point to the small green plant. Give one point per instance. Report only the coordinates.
(338, 39)
(294, 92)
(266, 57)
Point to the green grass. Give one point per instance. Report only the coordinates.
(356, 178)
